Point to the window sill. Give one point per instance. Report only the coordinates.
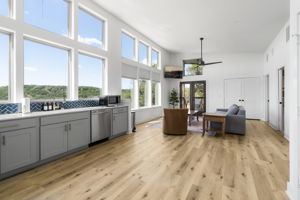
(145, 108)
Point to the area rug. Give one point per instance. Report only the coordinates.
(195, 127)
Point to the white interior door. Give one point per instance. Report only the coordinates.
(252, 97)
(281, 99)
(267, 100)
(233, 92)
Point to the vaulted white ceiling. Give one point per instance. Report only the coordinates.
(229, 26)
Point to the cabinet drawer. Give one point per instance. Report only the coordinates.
(55, 119)
(120, 110)
(18, 124)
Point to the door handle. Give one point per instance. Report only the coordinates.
(3, 140)
(9, 126)
(70, 127)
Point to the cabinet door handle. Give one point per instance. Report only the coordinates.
(66, 127)
(70, 127)
(3, 140)
(9, 126)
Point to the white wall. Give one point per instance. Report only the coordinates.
(278, 57)
(293, 76)
(234, 66)
(112, 54)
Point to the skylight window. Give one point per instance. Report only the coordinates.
(49, 15)
(90, 29)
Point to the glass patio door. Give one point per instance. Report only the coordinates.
(193, 95)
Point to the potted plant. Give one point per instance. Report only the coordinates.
(173, 98)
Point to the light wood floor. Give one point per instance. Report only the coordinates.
(150, 165)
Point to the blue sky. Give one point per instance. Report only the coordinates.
(46, 65)
(4, 7)
(4, 59)
(38, 58)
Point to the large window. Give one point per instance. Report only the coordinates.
(154, 59)
(143, 53)
(128, 90)
(90, 77)
(4, 66)
(45, 71)
(52, 15)
(90, 29)
(155, 93)
(4, 7)
(192, 69)
(128, 46)
(143, 93)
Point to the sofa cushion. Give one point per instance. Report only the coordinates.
(233, 110)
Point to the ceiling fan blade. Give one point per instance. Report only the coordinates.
(192, 61)
(212, 63)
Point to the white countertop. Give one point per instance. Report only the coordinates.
(7, 117)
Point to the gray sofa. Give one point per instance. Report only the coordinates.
(235, 120)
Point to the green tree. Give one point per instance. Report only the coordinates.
(173, 98)
(194, 69)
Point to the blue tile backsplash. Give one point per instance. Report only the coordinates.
(10, 108)
(37, 106)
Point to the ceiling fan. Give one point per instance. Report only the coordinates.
(199, 61)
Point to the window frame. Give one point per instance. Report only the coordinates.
(135, 46)
(158, 93)
(158, 59)
(70, 64)
(147, 89)
(104, 61)
(148, 53)
(184, 70)
(133, 103)
(70, 21)
(11, 64)
(98, 17)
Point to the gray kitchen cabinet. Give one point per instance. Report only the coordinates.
(78, 133)
(63, 133)
(54, 140)
(19, 148)
(120, 120)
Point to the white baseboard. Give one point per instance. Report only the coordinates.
(293, 193)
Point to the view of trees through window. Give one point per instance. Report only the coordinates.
(154, 59)
(45, 77)
(50, 15)
(193, 95)
(192, 69)
(4, 66)
(142, 93)
(128, 90)
(154, 93)
(90, 77)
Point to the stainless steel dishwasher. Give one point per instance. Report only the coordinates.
(101, 124)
